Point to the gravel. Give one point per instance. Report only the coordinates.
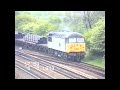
(19, 74)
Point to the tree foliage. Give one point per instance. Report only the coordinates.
(55, 20)
(28, 24)
(22, 20)
(95, 38)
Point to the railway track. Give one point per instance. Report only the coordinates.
(34, 71)
(82, 65)
(53, 63)
(27, 71)
(65, 72)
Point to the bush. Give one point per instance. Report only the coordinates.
(95, 39)
(89, 56)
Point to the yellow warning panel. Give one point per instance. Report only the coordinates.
(80, 47)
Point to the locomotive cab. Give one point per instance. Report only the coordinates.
(69, 44)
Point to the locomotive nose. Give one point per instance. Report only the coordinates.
(75, 48)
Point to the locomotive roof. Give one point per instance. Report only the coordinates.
(65, 34)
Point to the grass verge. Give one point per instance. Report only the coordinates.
(94, 60)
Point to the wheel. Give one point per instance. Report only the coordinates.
(82, 56)
(65, 56)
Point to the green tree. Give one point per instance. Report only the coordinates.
(44, 27)
(21, 20)
(95, 38)
(55, 20)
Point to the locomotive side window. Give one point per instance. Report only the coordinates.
(50, 39)
(66, 40)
